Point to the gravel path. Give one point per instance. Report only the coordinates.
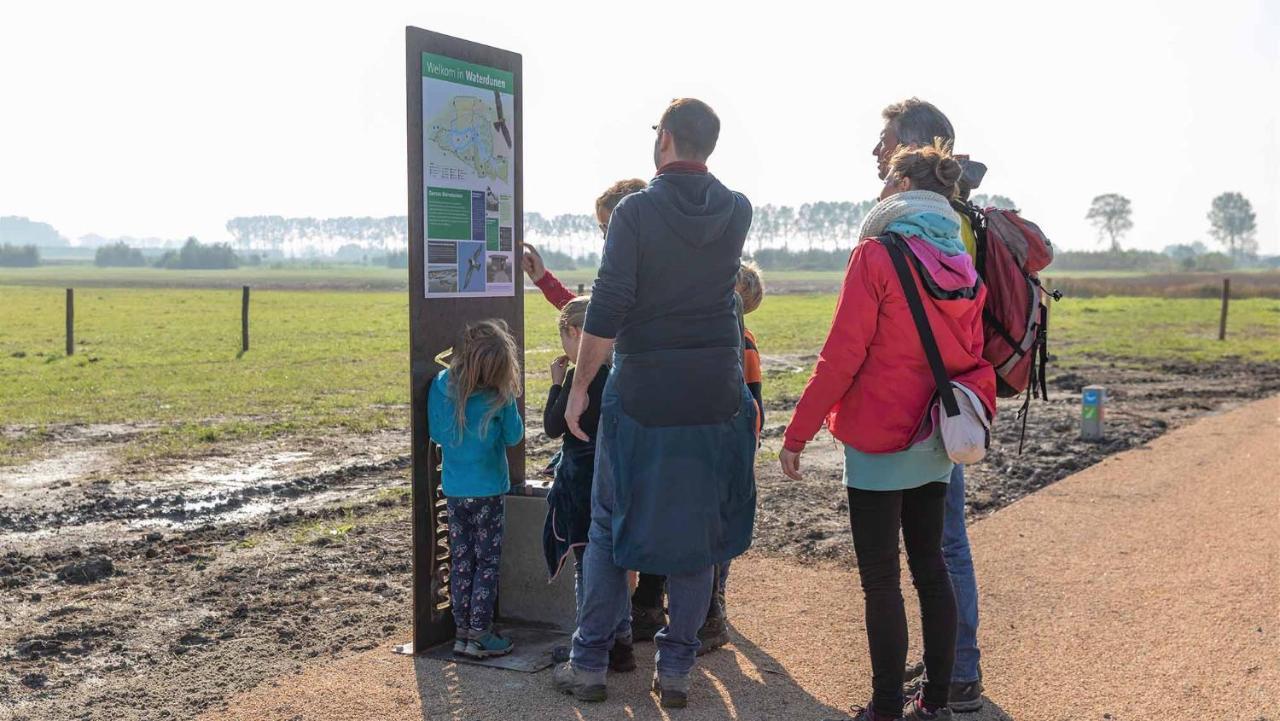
(1144, 587)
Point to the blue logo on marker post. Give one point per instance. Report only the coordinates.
(1091, 397)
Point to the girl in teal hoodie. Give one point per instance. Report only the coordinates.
(472, 414)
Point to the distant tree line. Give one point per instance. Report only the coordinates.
(809, 236)
(19, 256)
(118, 255)
(397, 259)
(195, 255)
(565, 225)
(1147, 261)
(280, 236)
(815, 259)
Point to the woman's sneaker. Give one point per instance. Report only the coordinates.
(488, 645)
(864, 713)
(916, 710)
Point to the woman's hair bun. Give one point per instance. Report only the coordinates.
(928, 167)
(948, 170)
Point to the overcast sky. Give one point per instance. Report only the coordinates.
(166, 119)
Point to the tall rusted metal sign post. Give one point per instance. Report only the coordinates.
(465, 234)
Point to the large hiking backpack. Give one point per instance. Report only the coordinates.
(1011, 251)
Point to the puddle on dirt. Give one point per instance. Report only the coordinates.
(77, 531)
(223, 475)
(52, 471)
(215, 493)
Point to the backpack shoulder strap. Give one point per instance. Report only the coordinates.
(892, 243)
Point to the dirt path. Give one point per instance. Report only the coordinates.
(1144, 587)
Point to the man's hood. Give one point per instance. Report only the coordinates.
(696, 207)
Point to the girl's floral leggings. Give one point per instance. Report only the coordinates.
(475, 549)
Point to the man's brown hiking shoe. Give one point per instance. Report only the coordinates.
(582, 686)
(646, 622)
(966, 697)
(713, 634)
(622, 657)
(673, 694)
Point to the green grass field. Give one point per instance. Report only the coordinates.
(323, 359)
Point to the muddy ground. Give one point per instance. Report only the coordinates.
(155, 590)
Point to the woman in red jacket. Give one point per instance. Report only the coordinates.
(873, 387)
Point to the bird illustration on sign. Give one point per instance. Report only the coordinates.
(474, 263)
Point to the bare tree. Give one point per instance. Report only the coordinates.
(1232, 222)
(1112, 215)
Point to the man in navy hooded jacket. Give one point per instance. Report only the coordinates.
(674, 489)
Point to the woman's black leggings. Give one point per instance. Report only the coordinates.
(875, 517)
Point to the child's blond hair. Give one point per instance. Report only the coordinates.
(614, 194)
(486, 359)
(750, 286)
(574, 313)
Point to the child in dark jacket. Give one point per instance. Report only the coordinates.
(472, 414)
(569, 514)
(569, 502)
(750, 289)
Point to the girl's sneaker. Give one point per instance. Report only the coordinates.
(460, 643)
(487, 645)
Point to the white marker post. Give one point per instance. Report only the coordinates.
(1092, 402)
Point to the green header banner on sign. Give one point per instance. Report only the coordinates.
(457, 71)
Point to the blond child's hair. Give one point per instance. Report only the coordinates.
(614, 194)
(574, 313)
(749, 286)
(486, 359)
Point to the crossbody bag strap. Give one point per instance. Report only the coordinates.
(909, 289)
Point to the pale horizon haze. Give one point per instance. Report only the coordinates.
(167, 119)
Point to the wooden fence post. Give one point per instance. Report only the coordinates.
(244, 320)
(582, 289)
(1226, 297)
(71, 322)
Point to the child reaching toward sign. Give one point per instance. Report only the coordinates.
(569, 503)
(472, 414)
